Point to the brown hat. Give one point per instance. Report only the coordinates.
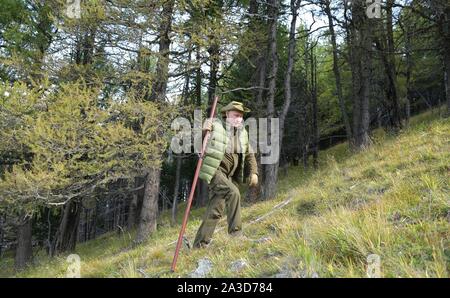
(235, 106)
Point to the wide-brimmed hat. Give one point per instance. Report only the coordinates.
(235, 106)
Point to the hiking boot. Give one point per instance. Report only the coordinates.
(202, 245)
(238, 235)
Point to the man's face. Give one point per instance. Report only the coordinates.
(234, 118)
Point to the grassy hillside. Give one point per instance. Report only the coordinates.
(391, 200)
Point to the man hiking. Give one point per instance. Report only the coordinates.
(226, 156)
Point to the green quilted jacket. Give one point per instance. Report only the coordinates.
(215, 151)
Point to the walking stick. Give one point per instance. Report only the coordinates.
(194, 184)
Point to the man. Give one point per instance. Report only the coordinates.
(227, 154)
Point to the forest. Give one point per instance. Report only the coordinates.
(89, 89)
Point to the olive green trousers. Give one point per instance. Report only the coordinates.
(223, 192)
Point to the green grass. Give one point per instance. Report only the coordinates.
(391, 200)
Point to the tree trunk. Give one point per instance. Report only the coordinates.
(273, 15)
(176, 191)
(67, 233)
(290, 66)
(303, 113)
(261, 82)
(271, 170)
(187, 80)
(441, 9)
(408, 74)
(198, 78)
(356, 78)
(86, 224)
(337, 72)
(93, 225)
(315, 126)
(445, 33)
(295, 4)
(149, 211)
(302, 133)
(259, 59)
(390, 70)
(361, 39)
(132, 207)
(118, 215)
(214, 68)
(24, 244)
(364, 139)
(391, 99)
(162, 66)
(133, 215)
(254, 191)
